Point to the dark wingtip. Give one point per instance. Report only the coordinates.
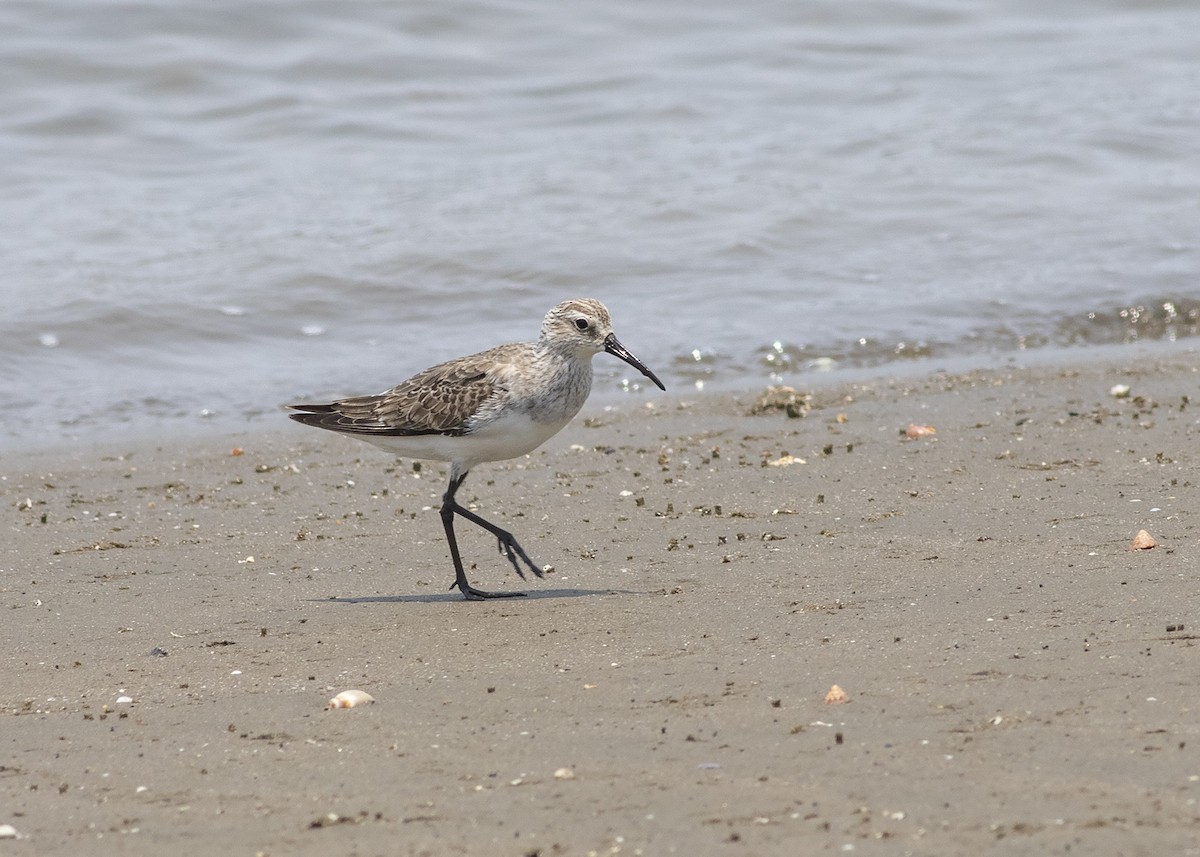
(321, 416)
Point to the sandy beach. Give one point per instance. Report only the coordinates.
(1017, 680)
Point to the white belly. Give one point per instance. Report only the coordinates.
(509, 436)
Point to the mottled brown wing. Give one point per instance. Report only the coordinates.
(439, 400)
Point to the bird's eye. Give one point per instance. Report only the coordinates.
(581, 323)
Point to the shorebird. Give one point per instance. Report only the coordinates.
(498, 404)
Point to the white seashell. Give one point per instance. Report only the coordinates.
(350, 698)
(786, 460)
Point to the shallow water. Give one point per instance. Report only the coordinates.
(213, 208)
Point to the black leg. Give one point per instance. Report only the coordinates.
(508, 545)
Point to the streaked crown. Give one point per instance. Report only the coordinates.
(581, 324)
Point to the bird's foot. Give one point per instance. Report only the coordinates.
(512, 549)
(506, 541)
(470, 593)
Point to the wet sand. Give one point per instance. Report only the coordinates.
(1018, 680)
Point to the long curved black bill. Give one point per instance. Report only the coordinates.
(613, 346)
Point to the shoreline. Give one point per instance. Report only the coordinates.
(1018, 679)
(146, 429)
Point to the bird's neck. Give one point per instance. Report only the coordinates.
(567, 388)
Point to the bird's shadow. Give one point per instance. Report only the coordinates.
(431, 598)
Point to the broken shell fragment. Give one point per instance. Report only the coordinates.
(835, 695)
(350, 698)
(1143, 541)
(1119, 391)
(915, 431)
